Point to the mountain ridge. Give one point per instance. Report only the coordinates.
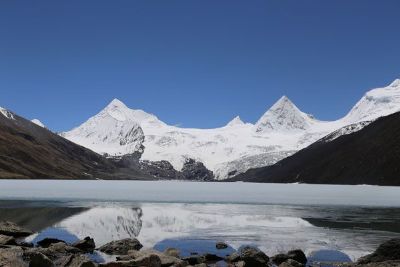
(30, 151)
(280, 131)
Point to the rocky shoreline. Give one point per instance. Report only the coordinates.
(129, 252)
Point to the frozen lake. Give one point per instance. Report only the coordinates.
(193, 216)
(200, 192)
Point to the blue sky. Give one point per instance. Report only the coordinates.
(195, 63)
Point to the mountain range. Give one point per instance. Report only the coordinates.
(124, 143)
(118, 131)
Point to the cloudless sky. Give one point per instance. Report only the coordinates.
(197, 63)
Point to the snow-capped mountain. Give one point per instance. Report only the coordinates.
(284, 129)
(114, 131)
(376, 103)
(284, 116)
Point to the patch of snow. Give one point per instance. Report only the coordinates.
(38, 122)
(352, 128)
(235, 121)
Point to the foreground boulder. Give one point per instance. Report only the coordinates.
(121, 247)
(388, 251)
(87, 244)
(294, 255)
(39, 260)
(251, 256)
(12, 229)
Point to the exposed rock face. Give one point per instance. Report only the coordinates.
(192, 169)
(11, 229)
(121, 247)
(388, 251)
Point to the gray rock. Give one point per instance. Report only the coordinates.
(297, 255)
(12, 257)
(80, 261)
(40, 260)
(388, 251)
(234, 257)
(87, 244)
(195, 259)
(212, 257)
(151, 260)
(173, 252)
(253, 257)
(166, 260)
(12, 229)
(279, 258)
(221, 245)
(121, 247)
(62, 248)
(46, 242)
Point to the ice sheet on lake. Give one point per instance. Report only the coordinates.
(189, 192)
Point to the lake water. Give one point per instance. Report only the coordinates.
(193, 216)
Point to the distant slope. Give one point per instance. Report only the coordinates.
(33, 152)
(368, 156)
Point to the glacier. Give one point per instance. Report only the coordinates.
(282, 130)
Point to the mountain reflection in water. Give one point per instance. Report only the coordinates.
(273, 228)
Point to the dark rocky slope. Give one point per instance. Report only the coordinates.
(30, 151)
(192, 170)
(369, 156)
